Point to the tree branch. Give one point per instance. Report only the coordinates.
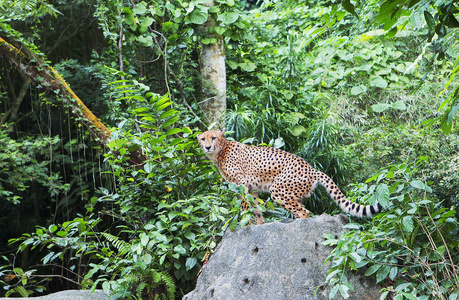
(41, 73)
(37, 70)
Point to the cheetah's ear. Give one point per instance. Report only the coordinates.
(223, 130)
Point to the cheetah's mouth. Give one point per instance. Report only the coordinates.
(209, 151)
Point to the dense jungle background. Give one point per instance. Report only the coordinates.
(122, 199)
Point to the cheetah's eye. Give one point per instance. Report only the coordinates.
(213, 138)
(202, 139)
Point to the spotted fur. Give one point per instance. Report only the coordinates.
(288, 177)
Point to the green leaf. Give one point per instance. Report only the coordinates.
(333, 292)
(408, 224)
(187, 130)
(47, 258)
(162, 259)
(163, 106)
(429, 20)
(400, 105)
(190, 235)
(198, 16)
(233, 224)
(208, 41)
(357, 258)
(378, 81)
(371, 270)
(179, 249)
(409, 296)
(167, 114)
(382, 195)
(190, 263)
(220, 30)
(174, 131)
(247, 66)
(420, 185)
(393, 273)
(145, 23)
(382, 273)
(245, 219)
(343, 290)
(170, 122)
(380, 107)
(359, 89)
(348, 6)
(52, 228)
(384, 295)
(147, 258)
(451, 113)
(106, 287)
(447, 119)
(438, 254)
(214, 9)
(445, 125)
(232, 64)
(228, 17)
(298, 130)
(144, 239)
(21, 290)
(148, 167)
(140, 8)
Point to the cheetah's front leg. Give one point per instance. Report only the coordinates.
(256, 211)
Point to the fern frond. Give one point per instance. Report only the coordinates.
(122, 246)
(140, 288)
(166, 279)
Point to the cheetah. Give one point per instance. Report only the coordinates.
(288, 177)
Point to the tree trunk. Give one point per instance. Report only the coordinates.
(213, 71)
(11, 114)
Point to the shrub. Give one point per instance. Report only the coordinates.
(412, 249)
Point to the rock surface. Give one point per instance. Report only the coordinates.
(70, 295)
(276, 261)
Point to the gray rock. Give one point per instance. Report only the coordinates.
(70, 295)
(276, 261)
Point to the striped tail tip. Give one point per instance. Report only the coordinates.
(359, 210)
(370, 211)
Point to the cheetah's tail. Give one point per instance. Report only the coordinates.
(358, 210)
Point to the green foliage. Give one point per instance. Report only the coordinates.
(166, 215)
(21, 162)
(412, 247)
(25, 9)
(437, 20)
(136, 272)
(301, 75)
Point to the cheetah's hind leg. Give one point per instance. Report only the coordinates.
(289, 201)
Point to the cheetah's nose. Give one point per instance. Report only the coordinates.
(208, 147)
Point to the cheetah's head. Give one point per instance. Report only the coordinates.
(211, 141)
